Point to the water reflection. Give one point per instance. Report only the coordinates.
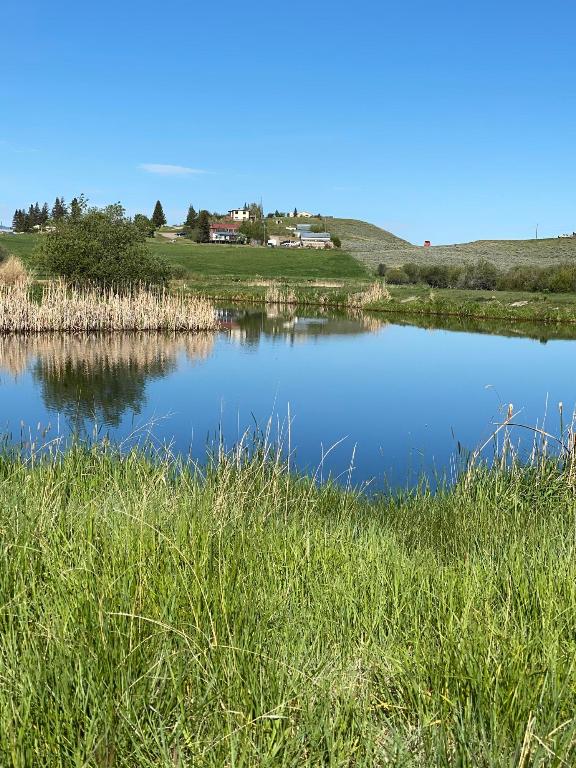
(249, 326)
(98, 376)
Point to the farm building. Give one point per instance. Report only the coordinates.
(316, 240)
(224, 232)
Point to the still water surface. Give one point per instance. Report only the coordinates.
(392, 400)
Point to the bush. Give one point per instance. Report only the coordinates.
(397, 276)
(178, 272)
(337, 242)
(482, 276)
(413, 271)
(102, 246)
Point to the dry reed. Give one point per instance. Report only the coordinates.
(376, 292)
(276, 294)
(64, 308)
(12, 272)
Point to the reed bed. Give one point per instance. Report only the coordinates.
(66, 308)
(283, 295)
(155, 614)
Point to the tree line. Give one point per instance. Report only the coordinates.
(37, 217)
(483, 275)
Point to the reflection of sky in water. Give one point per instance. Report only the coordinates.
(398, 397)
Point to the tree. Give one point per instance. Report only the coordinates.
(203, 228)
(254, 230)
(31, 216)
(20, 221)
(295, 212)
(256, 211)
(44, 214)
(75, 209)
(191, 218)
(158, 218)
(101, 246)
(144, 224)
(58, 209)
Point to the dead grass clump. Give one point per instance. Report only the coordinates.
(378, 291)
(12, 272)
(276, 294)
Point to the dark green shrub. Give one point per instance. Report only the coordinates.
(397, 276)
(101, 246)
(178, 272)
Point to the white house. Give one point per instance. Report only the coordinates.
(239, 214)
(303, 214)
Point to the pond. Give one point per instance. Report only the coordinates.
(365, 398)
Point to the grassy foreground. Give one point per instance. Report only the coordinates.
(152, 617)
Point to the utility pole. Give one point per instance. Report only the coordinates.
(536, 231)
(263, 222)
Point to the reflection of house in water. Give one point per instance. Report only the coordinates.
(249, 326)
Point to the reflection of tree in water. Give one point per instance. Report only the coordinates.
(102, 393)
(99, 376)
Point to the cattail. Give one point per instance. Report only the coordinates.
(65, 308)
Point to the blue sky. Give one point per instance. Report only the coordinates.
(447, 121)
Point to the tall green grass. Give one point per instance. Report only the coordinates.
(155, 615)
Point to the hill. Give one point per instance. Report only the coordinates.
(502, 253)
(372, 246)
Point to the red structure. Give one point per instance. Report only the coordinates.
(427, 243)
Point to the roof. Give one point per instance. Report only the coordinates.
(315, 235)
(225, 225)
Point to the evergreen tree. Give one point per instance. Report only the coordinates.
(295, 212)
(75, 209)
(203, 231)
(158, 218)
(191, 218)
(58, 209)
(31, 217)
(44, 214)
(19, 221)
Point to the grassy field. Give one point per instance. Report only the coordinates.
(152, 617)
(22, 246)
(361, 242)
(247, 262)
